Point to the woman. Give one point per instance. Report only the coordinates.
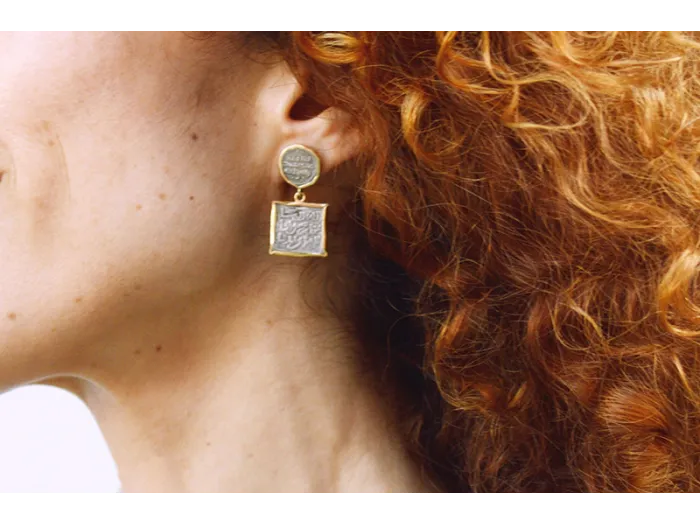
(509, 299)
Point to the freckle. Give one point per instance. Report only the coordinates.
(191, 197)
(138, 287)
(52, 143)
(137, 352)
(159, 348)
(194, 136)
(162, 196)
(78, 300)
(45, 125)
(53, 330)
(166, 169)
(209, 443)
(250, 455)
(2, 174)
(138, 207)
(12, 316)
(268, 322)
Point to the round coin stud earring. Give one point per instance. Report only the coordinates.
(298, 228)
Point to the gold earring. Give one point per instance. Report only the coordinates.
(298, 228)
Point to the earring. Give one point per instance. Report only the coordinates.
(298, 228)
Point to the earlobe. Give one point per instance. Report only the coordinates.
(298, 118)
(327, 130)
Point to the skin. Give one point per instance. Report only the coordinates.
(137, 174)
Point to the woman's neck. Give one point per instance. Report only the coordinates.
(250, 390)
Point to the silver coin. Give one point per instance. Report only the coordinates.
(299, 166)
(298, 229)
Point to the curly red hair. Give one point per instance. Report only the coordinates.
(544, 190)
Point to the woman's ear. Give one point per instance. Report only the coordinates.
(301, 119)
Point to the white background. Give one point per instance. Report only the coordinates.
(49, 442)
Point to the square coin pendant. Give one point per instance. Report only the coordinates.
(298, 229)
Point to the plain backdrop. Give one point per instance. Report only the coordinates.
(49, 442)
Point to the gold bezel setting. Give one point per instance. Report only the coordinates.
(317, 165)
(273, 224)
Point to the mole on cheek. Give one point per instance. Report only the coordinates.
(12, 316)
(162, 196)
(194, 137)
(159, 348)
(138, 207)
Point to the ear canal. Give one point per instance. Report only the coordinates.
(306, 108)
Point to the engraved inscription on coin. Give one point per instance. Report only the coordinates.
(300, 167)
(299, 229)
